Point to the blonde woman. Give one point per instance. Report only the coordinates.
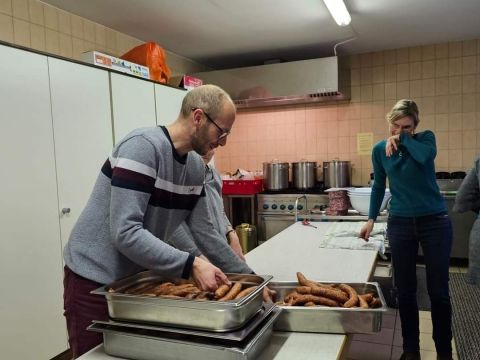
(417, 215)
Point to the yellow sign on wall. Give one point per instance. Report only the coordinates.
(364, 143)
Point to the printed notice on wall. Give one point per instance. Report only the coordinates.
(364, 143)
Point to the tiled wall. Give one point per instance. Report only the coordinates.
(34, 24)
(444, 80)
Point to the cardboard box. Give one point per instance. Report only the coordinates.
(114, 63)
(185, 81)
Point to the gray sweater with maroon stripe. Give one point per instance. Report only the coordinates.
(143, 193)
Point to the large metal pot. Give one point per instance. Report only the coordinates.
(304, 174)
(275, 175)
(337, 173)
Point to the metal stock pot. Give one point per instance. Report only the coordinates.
(336, 173)
(304, 174)
(275, 175)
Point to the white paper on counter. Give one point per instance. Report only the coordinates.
(345, 235)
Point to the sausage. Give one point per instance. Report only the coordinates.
(376, 303)
(162, 288)
(290, 297)
(177, 288)
(304, 290)
(319, 300)
(236, 288)
(362, 302)
(222, 291)
(352, 295)
(185, 291)
(310, 303)
(138, 288)
(245, 292)
(330, 293)
(302, 280)
(367, 297)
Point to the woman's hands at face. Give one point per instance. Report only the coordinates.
(392, 145)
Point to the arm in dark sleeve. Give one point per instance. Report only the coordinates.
(211, 243)
(423, 150)
(468, 194)
(379, 183)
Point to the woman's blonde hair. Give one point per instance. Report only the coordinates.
(403, 108)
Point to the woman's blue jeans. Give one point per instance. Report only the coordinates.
(434, 234)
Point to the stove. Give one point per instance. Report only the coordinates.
(284, 203)
(276, 210)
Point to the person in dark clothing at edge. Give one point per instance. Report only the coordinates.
(149, 185)
(417, 215)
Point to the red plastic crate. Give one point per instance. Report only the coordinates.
(242, 187)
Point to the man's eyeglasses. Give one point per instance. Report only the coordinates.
(223, 133)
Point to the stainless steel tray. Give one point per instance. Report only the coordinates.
(330, 319)
(186, 313)
(236, 335)
(149, 345)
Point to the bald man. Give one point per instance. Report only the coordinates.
(149, 185)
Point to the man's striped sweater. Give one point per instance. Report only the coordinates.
(142, 194)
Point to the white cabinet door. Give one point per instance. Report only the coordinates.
(133, 104)
(82, 126)
(168, 101)
(31, 310)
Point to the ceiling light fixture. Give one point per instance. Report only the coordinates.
(339, 11)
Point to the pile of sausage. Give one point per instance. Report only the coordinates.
(188, 290)
(311, 293)
(338, 203)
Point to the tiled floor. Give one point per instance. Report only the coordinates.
(387, 344)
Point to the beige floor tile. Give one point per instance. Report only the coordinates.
(426, 326)
(426, 342)
(425, 315)
(453, 269)
(428, 355)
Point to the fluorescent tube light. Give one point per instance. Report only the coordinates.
(339, 11)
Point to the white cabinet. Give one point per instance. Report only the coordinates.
(133, 104)
(80, 98)
(168, 102)
(31, 311)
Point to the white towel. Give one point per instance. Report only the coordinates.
(345, 235)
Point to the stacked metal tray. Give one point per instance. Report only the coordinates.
(324, 319)
(144, 342)
(220, 316)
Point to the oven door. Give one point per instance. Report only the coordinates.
(270, 225)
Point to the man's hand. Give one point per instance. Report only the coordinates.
(392, 145)
(366, 230)
(207, 276)
(234, 242)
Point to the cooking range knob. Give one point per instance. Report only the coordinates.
(282, 207)
(265, 206)
(274, 206)
(290, 207)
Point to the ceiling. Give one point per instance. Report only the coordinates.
(233, 33)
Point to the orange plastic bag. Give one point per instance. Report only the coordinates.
(152, 56)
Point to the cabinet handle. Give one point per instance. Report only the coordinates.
(66, 211)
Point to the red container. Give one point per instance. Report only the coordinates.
(242, 187)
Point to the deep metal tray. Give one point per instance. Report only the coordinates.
(150, 345)
(336, 320)
(185, 313)
(235, 335)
